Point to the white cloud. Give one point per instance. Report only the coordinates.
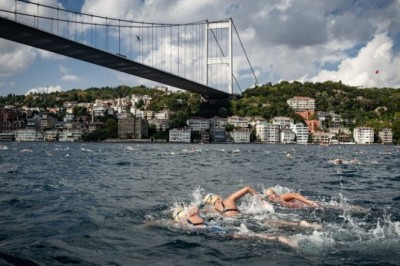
(48, 89)
(14, 58)
(361, 70)
(67, 76)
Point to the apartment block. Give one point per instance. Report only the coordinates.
(301, 132)
(180, 135)
(198, 124)
(386, 136)
(299, 103)
(363, 135)
(241, 135)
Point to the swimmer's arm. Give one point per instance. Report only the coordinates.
(208, 210)
(193, 210)
(240, 193)
(290, 196)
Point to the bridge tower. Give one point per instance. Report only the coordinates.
(225, 56)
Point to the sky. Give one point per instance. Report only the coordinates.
(353, 41)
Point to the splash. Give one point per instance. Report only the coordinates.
(198, 195)
(255, 205)
(385, 229)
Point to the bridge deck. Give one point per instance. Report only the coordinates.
(24, 34)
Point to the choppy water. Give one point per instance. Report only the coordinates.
(90, 204)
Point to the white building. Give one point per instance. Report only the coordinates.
(261, 131)
(299, 103)
(238, 121)
(180, 135)
(363, 135)
(287, 136)
(27, 134)
(321, 137)
(301, 132)
(282, 121)
(268, 133)
(241, 135)
(386, 136)
(198, 124)
(273, 133)
(70, 135)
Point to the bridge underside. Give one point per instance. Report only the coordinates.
(24, 34)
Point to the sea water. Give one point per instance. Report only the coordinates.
(109, 204)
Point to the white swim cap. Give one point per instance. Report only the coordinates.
(210, 198)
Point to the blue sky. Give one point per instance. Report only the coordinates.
(304, 40)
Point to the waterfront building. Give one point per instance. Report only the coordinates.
(273, 135)
(261, 131)
(205, 137)
(51, 135)
(363, 135)
(301, 132)
(26, 134)
(287, 136)
(141, 129)
(126, 127)
(386, 136)
(240, 135)
(321, 137)
(131, 127)
(10, 120)
(180, 135)
(218, 134)
(69, 135)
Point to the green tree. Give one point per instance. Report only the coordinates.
(112, 128)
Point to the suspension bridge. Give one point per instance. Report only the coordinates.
(196, 57)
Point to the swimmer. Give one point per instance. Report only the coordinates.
(336, 161)
(291, 200)
(227, 207)
(189, 216)
(340, 161)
